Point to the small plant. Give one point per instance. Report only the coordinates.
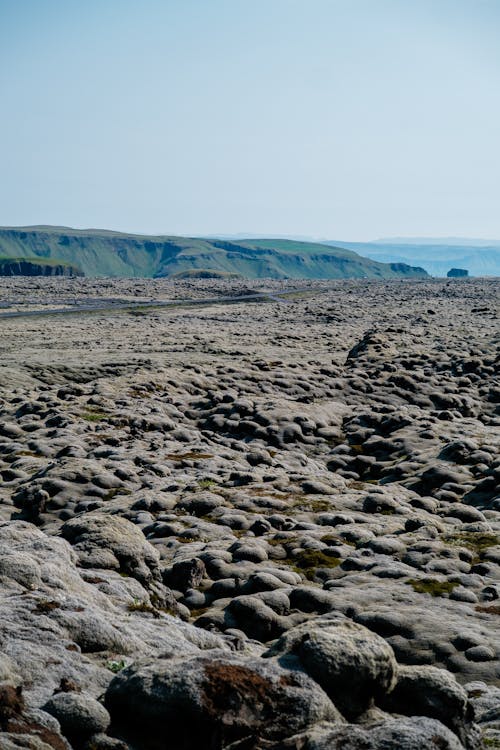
(205, 484)
(431, 586)
(115, 666)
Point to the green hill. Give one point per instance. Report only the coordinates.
(99, 252)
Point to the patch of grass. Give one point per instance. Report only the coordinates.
(205, 484)
(93, 416)
(190, 456)
(431, 586)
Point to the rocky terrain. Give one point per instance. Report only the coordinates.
(271, 524)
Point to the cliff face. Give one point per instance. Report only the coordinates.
(25, 267)
(104, 253)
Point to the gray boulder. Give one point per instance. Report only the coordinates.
(209, 701)
(112, 542)
(353, 665)
(433, 692)
(416, 733)
(79, 715)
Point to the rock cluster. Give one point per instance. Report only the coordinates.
(271, 525)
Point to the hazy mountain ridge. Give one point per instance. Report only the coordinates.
(107, 253)
(434, 255)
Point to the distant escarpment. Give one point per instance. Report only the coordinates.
(31, 267)
(100, 252)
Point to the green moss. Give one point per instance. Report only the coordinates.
(431, 586)
(477, 541)
(282, 541)
(309, 560)
(93, 416)
(491, 742)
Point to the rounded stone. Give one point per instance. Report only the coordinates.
(78, 714)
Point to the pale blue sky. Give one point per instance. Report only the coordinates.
(349, 119)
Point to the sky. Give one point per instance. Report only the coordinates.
(333, 119)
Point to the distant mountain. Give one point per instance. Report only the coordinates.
(450, 241)
(437, 256)
(99, 252)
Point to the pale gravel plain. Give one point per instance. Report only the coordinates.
(283, 514)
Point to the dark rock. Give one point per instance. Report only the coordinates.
(210, 701)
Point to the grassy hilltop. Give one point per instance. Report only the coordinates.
(98, 252)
